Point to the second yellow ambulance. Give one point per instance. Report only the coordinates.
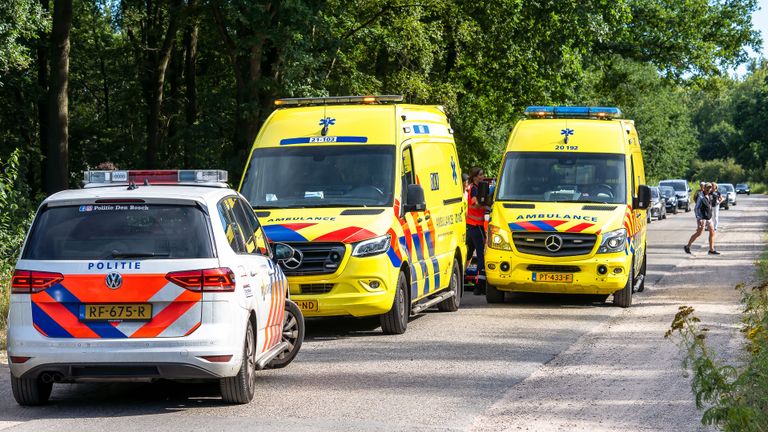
(368, 191)
(570, 207)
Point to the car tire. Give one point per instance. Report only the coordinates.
(240, 388)
(493, 294)
(396, 320)
(452, 304)
(727, 207)
(30, 391)
(293, 335)
(674, 210)
(623, 297)
(643, 268)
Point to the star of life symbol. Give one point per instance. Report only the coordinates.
(453, 168)
(566, 133)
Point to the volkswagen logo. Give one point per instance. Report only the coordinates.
(113, 280)
(553, 243)
(294, 261)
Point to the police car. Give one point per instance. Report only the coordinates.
(146, 275)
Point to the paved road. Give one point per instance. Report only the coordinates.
(535, 363)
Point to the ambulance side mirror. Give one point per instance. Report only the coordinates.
(643, 199)
(414, 199)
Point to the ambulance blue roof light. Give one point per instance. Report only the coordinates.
(582, 112)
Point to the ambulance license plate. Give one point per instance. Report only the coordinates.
(307, 305)
(118, 312)
(552, 277)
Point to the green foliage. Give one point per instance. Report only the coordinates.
(734, 398)
(719, 170)
(20, 22)
(16, 211)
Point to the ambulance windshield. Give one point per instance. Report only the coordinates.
(563, 177)
(322, 176)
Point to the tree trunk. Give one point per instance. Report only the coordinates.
(58, 143)
(42, 103)
(190, 81)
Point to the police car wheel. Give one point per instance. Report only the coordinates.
(452, 304)
(293, 335)
(623, 297)
(396, 320)
(240, 388)
(30, 391)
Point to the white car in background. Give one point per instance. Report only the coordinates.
(729, 193)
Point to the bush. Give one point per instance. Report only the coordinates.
(718, 170)
(735, 398)
(16, 212)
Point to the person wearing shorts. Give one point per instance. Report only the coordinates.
(703, 212)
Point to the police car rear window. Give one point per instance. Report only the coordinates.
(145, 231)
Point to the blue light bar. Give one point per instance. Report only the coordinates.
(582, 112)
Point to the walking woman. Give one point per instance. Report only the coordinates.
(703, 212)
(475, 224)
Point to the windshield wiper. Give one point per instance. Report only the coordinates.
(136, 254)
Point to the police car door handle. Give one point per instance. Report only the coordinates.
(419, 220)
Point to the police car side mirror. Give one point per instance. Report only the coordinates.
(282, 251)
(414, 199)
(643, 198)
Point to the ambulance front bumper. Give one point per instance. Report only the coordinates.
(598, 274)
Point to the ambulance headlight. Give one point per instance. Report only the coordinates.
(613, 241)
(374, 246)
(498, 238)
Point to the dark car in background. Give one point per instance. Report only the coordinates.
(670, 199)
(742, 188)
(658, 207)
(682, 191)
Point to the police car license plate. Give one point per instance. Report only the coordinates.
(118, 312)
(552, 277)
(307, 305)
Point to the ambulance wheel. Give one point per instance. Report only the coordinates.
(396, 320)
(623, 297)
(30, 391)
(293, 335)
(493, 295)
(240, 388)
(641, 288)
(452, 304)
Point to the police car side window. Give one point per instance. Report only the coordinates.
(255, 240)
(232, 228)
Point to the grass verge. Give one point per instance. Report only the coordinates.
(733, 397)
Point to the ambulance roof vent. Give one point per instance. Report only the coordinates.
(338, 100)
(575, 112)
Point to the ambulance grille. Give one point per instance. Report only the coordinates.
(319, 258)
(532, 243)
(316, 288)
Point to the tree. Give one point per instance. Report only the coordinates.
(58, 105)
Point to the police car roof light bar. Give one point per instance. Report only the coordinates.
(96, 178)
(584, 112)
(336, 100)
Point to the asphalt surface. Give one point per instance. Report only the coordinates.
(535, 363)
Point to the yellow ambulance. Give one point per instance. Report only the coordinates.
(368, 192)
(569, 214)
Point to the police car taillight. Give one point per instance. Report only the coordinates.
(220, 279)
(30, 282)
(164, 177)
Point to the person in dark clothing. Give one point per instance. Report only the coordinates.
(703, 212)
(476, 226)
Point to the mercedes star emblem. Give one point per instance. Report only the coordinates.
(294, 261)
(553, 243)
